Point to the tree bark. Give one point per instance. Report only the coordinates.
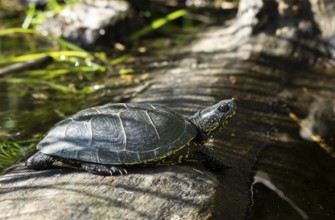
(274, 59)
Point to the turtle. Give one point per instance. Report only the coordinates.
(106, 139)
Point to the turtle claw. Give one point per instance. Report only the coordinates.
(101, 169)
(116, 170)
(121, 171)
(113, 170)
(110, 172)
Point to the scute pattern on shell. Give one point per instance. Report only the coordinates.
(119, 134)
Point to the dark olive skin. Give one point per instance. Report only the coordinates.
(105, 139)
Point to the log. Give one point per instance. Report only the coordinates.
(270, 63)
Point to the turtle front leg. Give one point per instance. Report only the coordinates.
(208, 158)
(204, 155)
(39, 161)
(193, 154)
(102, 169)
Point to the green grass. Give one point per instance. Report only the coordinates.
(158, 23)
(12, 151)
(70, 59)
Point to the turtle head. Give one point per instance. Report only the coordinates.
(211, 120)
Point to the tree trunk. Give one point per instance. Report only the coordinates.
(275, 59)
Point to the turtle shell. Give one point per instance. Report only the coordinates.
(119, 134)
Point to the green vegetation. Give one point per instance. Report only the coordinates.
(12, 150)
(158, 23)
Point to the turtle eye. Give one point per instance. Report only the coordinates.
(224, 108)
